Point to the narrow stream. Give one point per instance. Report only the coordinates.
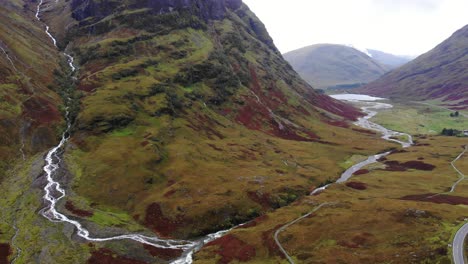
(370, 108)
(54, 193)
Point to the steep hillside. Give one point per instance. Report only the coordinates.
(190, 122)
(439, 74)
(29, 102)
(334, 66)
(196, 95)
(387, 59)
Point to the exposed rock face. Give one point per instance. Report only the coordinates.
(205, 9)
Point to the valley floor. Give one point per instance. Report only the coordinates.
(399, 210)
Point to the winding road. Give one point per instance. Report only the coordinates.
(364, 122)
(458, 244)
(281, 229)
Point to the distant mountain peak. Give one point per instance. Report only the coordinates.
(361, 49)
(335, 65)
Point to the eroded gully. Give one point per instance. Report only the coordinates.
(54, 192)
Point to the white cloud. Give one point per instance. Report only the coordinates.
(397, 26)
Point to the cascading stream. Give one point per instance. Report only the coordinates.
(54, 193)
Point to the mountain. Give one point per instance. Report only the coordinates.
(334, 66)
(387, 59)
(30, 117)
(185, 120)
(439, 74)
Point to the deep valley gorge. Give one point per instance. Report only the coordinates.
(167, 131)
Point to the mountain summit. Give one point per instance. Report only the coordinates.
(335, 66)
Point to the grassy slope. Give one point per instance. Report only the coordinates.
(438, 74)
(328, 65)
(202, 160)
(28, 108)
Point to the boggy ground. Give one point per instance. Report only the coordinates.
(379, 217)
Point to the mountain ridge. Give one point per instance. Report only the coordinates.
(333, 65)
(436, 75)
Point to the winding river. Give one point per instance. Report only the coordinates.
(370, 105)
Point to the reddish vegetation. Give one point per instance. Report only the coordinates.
(87, 87)
(215, 147)
(163, 253)
(202, 123)
(414, 164)
(421, 145)
(76, 211)
(303, 110)
(170, 183)
(170, 193)
(437, 198)
(261, 198)
(419, 165)
(255, 115)
(41, 111)
(333, 106)
(231, 248)
(288, 133)
(365, 131)
(394, 166)
(270, 243)
(159, 223)
(337, 123)
(361, 172)
(357, 185)
(254, 222)
(144, 143)
(357, 241)
(106, 256)
(5, 251)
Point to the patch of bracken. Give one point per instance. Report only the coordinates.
(437, 198)
(361, 172)
(161, 224)
(163, 253)
(357, 185)
(106, 256)
(5, 251)
(76, 211)
(231, 248)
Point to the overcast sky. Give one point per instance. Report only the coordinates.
(403, 27)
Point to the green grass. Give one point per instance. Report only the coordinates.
(419, 119)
